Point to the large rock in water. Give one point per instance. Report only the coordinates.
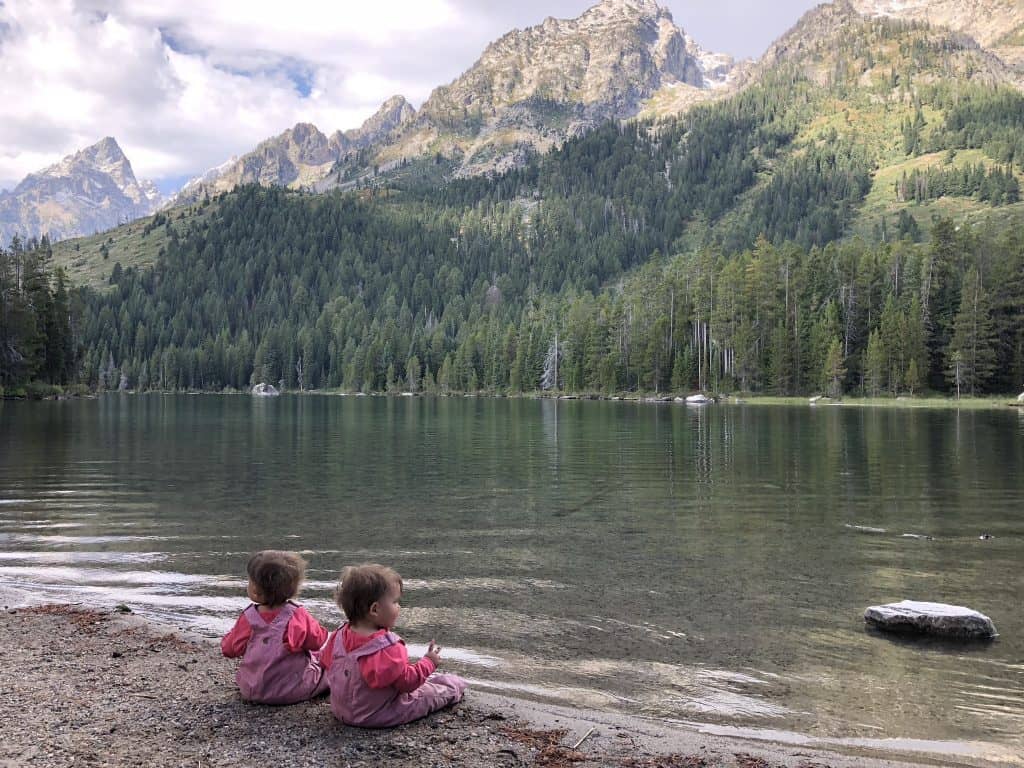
(912, 617)
(265, 390)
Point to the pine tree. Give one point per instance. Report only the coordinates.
(835, 370)
(875, 365)
(973, 342)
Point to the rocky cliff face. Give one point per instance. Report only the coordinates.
(533, 88)
(300, 157)
(393, 114)
(89, 191)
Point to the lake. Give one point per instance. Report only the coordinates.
(705, 565)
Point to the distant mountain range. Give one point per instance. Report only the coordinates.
(529, 91)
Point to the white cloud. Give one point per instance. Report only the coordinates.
(183, 88)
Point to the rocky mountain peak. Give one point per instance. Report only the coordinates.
(87, 191)
(392, 114)
(610, 9)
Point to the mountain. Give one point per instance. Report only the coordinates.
(532, 89)
(89, 191)
(300, 157)
(529, 91)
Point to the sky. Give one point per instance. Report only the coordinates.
(185, 86)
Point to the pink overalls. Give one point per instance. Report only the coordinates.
(270, 673)
(356, 703)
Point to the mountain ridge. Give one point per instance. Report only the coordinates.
(299, 157)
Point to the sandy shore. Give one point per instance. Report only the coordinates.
(97, 688)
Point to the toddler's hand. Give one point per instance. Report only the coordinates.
(434, 654)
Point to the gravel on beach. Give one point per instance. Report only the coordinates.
(99, 688)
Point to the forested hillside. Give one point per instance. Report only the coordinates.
(855, 228)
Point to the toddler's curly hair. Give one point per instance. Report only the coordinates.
(363, 585)
(277, 575)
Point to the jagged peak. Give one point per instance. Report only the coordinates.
(647, 8)
(394, 103)
(106, 144)
(302, 131)
(106, 150)
(105, 155)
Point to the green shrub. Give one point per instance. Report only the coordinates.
(77, 390)
(38, 390)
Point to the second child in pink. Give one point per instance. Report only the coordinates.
(371, 680)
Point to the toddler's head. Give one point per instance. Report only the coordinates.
(275, 576)
(362, 586)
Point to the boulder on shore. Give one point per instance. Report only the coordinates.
(939, 619)
(265, 390)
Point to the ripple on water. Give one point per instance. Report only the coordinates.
(84, 556)
(72, 541)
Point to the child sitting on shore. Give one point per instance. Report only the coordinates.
(372, 683)
(278, 640)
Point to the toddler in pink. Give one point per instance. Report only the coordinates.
(368, 671)
(279, 642)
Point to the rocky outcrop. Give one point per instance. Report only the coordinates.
(265, 390)
(393, 114)
(90, 191)
(939, 619)
(831, 42)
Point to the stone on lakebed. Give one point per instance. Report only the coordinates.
(939, 619)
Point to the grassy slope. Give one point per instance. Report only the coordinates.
(128, 244)
(881, 202)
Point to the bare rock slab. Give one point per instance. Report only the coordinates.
(938, 619)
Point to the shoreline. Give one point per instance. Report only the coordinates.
(86, 685)
(931, 402)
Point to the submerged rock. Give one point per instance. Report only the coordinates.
(912, 617)
(265, 390)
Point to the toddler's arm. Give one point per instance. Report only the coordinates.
(304, 633)
(391, 667)
(233, 643)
